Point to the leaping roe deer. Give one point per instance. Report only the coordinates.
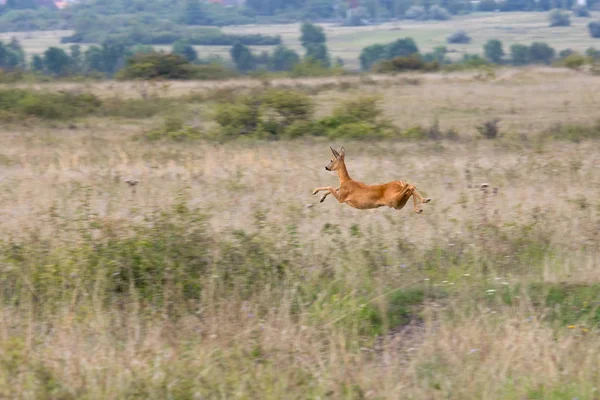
(358, 195)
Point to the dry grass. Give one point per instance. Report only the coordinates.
(479, 330)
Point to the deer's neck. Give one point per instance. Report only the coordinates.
(343, 173)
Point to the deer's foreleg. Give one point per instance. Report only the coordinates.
(329, 190)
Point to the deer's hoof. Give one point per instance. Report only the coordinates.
(427, 200)
(315, 192)
(322, 199)
(418, 211)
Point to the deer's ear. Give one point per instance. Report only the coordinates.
(335, 153)
(342, 152)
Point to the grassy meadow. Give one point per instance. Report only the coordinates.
(219, 275)
(348, 42)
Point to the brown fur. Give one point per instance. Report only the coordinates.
(358, 195)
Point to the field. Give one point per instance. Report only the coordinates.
(348, 42)
(219, 275)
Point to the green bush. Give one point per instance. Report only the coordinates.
(274, 112)
(410, 63)
(574, 61)
(47, 105)
(239, 118)
(288, 106)
(357, 118)
(156, 65)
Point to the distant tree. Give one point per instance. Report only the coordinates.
(415, 12)
(593, 53)
(9, 59)
(76, 57)
(541, 53)
(186, 50)
(566, 53)
(242, 57)
(438, 55)
(594, 28)
(438, 13)
(312, 34)
(401, 7)
(371, 55)
(16, 47)
(94, 59)
(514, 5)
(20, 4)
(519, 54)
(283, 59)
(194, 13)
(318, 52)
(313, 39)
(401, 48)
(558, 17)
(37, 63)
(314, 9)
(487, 5)
(493, 51)
(581, 11)
(57, 61)
(114, 54)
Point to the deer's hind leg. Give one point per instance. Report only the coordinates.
(403, 197)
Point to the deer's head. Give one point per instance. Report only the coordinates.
(337, 160)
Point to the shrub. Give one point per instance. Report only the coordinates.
(415, 12)
(288, 106)
(212, 72)
(459, 37)
(156, 65)
(310, 67)
(594, 28)
(559, 18)
(574, 61)
(357, 118)
(47, 105)
(239, 118)
(489, 129)
(409, 63)
(581, 11)
(272, 112)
